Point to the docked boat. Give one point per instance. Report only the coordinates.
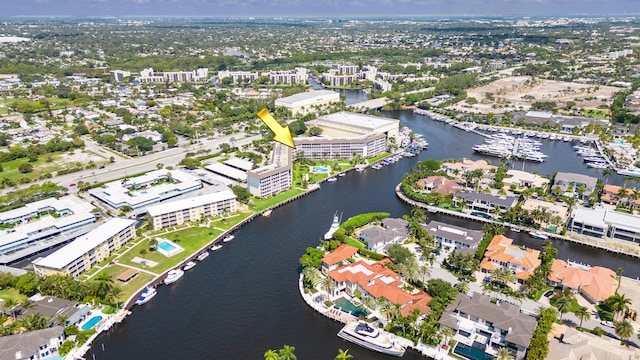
(203, 256)
(538, 235)
(173, 275)
(228, 238)
(147, 294)
(516, 228)
(267, 213)
(335, 225)
(342, 174)
(216, 247)
(190, 265)
(363, 334)
(332, 179)
(630, 171)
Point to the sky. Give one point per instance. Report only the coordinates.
(314, 7)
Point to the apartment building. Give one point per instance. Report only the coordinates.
(274, 178)
(305, 102)
(192, 209)
(84, 252)
(238, 76)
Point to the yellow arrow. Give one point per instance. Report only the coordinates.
(283, 135)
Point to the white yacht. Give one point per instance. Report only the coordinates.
(228, 238)
(216, 247)
(538, 235)
(332, 179)
(173, 275)
(335, 225)
(363, 334)
(147, 294)
(189, 265)
(203, 256)
(630, 171)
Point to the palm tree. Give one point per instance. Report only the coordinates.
(103, 285)
(582, 313)
(328, 285)
(34, 321)
(563, 301)
(624, 329)
(369, 302)
(286, 353)
(153, 243)
(619, 271)
(343, 355)
(619, 304)
(463, 287)
(9, 305)
(311, 275)
(447, 333)
(271, 355)
(504, 354)
(606, 173)
(423, 272)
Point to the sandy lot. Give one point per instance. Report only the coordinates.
(517, 93)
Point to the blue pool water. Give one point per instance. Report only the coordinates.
(166, 246)
(92, 322)
(346, 306)
(55, 357)
(143, 192)
(472, 352)
(320, 169)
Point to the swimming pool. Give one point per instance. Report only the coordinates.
(91, 323)
(348, 307)
(321, 169)
(474, 352)
(167, 248)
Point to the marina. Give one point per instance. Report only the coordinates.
(227, 323)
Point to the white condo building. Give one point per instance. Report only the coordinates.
(40, 220)
(87, 250)
(198, 75)
(274, 178)
(148, 189)
(192, 209)
(346, 135)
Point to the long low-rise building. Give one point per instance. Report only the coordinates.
(87, 250)
(148, 189)
(274, 178)
(43, 219)
(333, 148)
(302, 103)
(192, 209)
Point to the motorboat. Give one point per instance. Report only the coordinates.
(332, 179)
(342, 174)
(203, 256)
(538, 235)
(363, 334)
(267, 213)
(630, 171)
(216, 247)
(335, 225)
(228, 238)
(190, 265)
(147, 294)
(173, 275)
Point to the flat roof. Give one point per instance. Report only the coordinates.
(308, 95)
(368, 123)
(228, 171)
(594, 217)
(83, 244)
(239, 163)
(178, 205)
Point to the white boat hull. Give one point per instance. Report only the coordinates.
(393, 350)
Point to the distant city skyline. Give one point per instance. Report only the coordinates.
(314, 7)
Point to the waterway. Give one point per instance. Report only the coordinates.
(244, 300)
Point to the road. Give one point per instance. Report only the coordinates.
(126, 166)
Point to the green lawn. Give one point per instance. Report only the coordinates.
(191, 239)
(130, 287)
(379, 157)
(353, 242)
(40, 167)
(261, 204)
(595, 113)
(11, 293)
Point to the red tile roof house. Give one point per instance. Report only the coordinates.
(378, 281)
(337, 257)
(595, 284)
(500, 253)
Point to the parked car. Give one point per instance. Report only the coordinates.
(548, 293)
(607, 323)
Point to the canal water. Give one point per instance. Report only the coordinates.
(244, 300)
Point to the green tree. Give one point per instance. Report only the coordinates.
(582, 313)
(624, 329)
(343, 355)
(286, 353)
(271, 355)
(504, 354)
(241, 193)
(618, 304)
(102, 284)
(190, 163)
(25, 168)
